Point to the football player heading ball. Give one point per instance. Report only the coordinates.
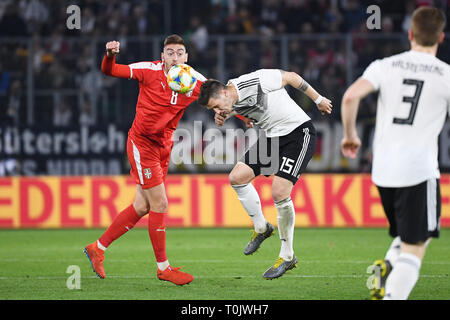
(260, 96)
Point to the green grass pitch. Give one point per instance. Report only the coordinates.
(332, 265)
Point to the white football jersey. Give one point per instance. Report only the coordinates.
(413, 101)
(263, 99)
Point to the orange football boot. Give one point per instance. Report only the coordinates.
(95, 256)
(174, 275)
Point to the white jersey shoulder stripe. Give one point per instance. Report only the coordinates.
(145, 65)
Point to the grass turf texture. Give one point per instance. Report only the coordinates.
(332, 265)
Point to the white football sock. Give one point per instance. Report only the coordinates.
(394, 251)
(249, 198)
(286, 222)
(403, 277)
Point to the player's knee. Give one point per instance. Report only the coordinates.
(159, 205)
(279, 194)
(281, 189)
(141, 208)
(240, 174)
(235, 178)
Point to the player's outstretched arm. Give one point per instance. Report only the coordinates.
(295, 80)
(349, 110)
(109, 66)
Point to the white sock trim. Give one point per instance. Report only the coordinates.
(163, 265)
(410, 259)
(283, 203)
(237, 186)
(100, 246)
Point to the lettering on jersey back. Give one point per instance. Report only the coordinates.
(417, 67)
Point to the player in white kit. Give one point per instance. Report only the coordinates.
(413, 102)
(286, 149)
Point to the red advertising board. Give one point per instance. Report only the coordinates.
(321, 200)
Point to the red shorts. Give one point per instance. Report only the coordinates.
(149, 161)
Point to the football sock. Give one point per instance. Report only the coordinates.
(393, 251)
(286, 222)
(403, 277)
(249, 198)
(124, 221)
(157, 233)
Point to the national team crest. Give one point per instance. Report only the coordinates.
(251, 101)
(147, 173)
(189, 93)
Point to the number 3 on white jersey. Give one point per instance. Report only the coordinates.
(174, 98)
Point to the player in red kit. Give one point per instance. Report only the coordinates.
(158, 111)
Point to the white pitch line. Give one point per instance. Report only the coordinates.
(335, 276)
(22, 260)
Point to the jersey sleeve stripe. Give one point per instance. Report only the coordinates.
(249, 85)
(249, 82)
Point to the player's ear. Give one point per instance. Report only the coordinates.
(441, 37)
(410, 35)
(186, 58)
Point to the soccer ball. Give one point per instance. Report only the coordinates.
(181, 79)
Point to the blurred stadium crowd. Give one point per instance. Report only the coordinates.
(57, 70)
(134, 17)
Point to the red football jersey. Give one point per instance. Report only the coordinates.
(158, 109)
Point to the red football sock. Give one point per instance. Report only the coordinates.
(124, 221)
(157, 232)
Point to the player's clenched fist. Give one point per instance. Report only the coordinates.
(325, 106)
(112, 48)
(350, 146)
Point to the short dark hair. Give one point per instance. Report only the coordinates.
(174, 39)
(209, 88)
(427, 25)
